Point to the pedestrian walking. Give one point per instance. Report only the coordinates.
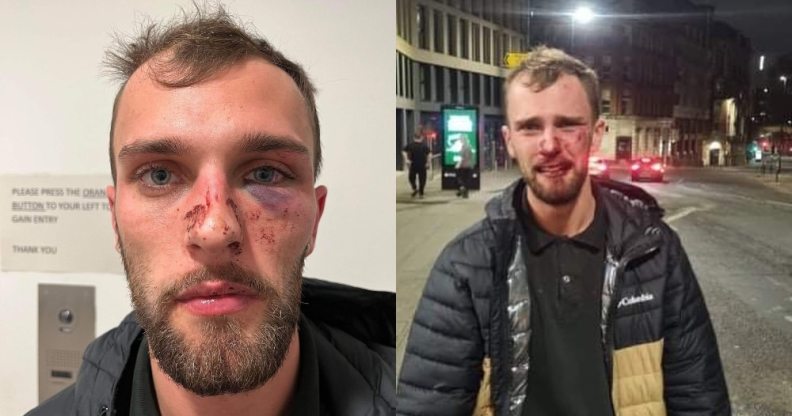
(464, 167)
(416, 155)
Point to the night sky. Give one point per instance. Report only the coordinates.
(768, 23)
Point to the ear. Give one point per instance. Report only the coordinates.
(111, 199)
(596, 136)
(506, 132)
(321, 196)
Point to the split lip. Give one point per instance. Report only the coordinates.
(214, 288)
(551, 166)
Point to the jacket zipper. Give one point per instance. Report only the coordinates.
(608, 341)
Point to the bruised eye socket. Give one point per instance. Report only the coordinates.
(267, 175)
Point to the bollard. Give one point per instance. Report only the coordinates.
(778, 167)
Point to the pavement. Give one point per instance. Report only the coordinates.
(423, 227)
(491, 182)
(781, 182)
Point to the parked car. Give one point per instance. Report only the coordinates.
(598, 167)
(647, 168)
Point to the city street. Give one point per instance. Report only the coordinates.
(736, 227)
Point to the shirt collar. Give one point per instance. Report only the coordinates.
(538, 239)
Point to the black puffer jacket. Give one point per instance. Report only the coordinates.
(354, 335)
(467, 352)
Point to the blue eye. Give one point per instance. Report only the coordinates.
(264, 174)
(159, 176)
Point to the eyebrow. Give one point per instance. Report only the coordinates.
(262, 143)
(166, 146)
(528, 122)
(251, 143)
(570, 120)
(538, 122)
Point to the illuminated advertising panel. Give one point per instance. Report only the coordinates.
(460, 126)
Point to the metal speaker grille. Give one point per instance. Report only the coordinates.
(64, 359)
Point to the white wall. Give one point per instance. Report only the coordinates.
(55, 111)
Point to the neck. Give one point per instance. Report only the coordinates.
(565, 220)
(272, 398)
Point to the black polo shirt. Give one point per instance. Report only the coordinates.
(306, 401)
(567, 373)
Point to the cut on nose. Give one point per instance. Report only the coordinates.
(214, 228)
(549, 142)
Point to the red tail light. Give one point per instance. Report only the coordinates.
(657, 167)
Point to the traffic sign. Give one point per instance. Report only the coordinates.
(513, 59)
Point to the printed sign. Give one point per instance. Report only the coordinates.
(56, 224)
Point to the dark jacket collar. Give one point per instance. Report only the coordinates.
(629, 210)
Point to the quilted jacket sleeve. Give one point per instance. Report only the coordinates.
(441, 371)
(693, 374)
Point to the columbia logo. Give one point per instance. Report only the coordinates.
(632, 300)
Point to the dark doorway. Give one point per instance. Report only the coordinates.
(624, 148)
(714, 157)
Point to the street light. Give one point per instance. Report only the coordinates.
(582, 15)
(783, 79)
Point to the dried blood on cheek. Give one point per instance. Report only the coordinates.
(275, 204)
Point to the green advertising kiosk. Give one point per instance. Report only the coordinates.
(460, 123)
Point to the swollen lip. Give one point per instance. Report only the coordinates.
(553, 170)
(218, 305)
(216, 298)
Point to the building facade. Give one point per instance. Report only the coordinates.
(653, 61)
(450, 52)
(731, 97)
(771, 130)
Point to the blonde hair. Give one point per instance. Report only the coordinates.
(544, 65)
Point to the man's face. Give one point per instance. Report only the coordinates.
(214, 210)
(551, 133)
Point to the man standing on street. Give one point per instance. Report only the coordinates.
(416, 155)
(214, 152)
(571, 297)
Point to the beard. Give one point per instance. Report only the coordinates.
(556, 191)
(223, 357)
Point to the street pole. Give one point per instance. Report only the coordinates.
(571, 35)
